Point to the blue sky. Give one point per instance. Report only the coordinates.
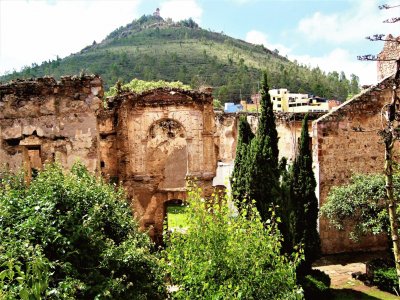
(325, 33)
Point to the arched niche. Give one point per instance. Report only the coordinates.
(167, 153)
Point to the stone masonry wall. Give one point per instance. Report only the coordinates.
(346, 142)
(391, 52)
(43, 120)
(152, 142)
(288, 127)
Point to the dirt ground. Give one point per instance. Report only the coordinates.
(340, 269)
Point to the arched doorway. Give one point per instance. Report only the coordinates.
(175, 215)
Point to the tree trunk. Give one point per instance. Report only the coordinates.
(389, 143)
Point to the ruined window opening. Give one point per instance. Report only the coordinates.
(114, 180)
(12, 142)
(102, 164)
(32, 161)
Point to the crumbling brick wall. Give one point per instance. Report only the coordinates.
(347, 142)
(42, 120)
(387, 57)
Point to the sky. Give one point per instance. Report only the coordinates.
(324, 33)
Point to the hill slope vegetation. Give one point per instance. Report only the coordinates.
(152, 48)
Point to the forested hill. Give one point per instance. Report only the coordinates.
(152, 48)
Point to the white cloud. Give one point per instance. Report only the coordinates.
(34, 31)
(341, 60)
(362, 19)
(337, 59)
(181, 9)
(260, 38)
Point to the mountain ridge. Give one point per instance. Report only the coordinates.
(151, 48)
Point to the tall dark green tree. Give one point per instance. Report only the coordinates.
(263, 174)
(239, 174)
(266, 124)
(305, 202)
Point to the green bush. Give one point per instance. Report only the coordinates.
(226, 255)
(382, 273)
(386, 279)
(71, 236)
(316, 285)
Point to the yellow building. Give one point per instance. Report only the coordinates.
(284, 101)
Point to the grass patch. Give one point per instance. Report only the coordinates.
(177, 216)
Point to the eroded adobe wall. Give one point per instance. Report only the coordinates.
(42, 120)
(152, 142)
(347, 142)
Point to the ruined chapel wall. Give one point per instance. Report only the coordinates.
(347, 142)
(53, 120)
(158, 138)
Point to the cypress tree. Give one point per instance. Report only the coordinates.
(239, 174)
(305, 202)
(266, 124)
(263, 179)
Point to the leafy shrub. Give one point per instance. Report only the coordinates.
(316, 285)
(226, 255)
(71, 236)
(362, 202)
(382, 273)
(386, 279)
(140, 86)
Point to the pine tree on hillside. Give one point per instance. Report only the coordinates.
(239, 174)
(305, 201)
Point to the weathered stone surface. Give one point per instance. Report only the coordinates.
(346, 141)
(152, 142)
(46, 120)
(387, 57)
(158, 139)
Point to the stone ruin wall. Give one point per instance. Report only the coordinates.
(391, 52)
(152, 142)
(288, 127)
(43, 120)
(144, 140)
(347, 142)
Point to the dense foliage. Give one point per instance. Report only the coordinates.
(71, 236)
(152, 49)
(361, 203)
(305, 202)
(382, 273)
(239, 178)
(256, 172)
(140, 86)
(316, 285)
(228, 255)
(262, 159)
